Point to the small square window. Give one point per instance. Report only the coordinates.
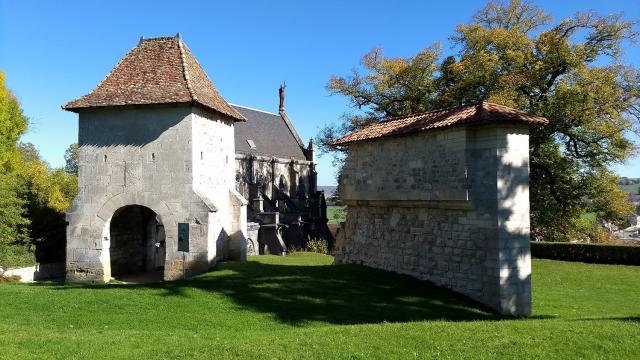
(252, 145)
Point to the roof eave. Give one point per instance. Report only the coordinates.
(236, 118)
(78, 108)
(538, 121)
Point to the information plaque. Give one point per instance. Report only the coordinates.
(183, 237)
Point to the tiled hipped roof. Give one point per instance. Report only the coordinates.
(482, 113)
(157, 71)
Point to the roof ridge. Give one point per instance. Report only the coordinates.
(506, 107)
(254, 109)
(160, 38)
(287, 121)
(424, 113)
(185, 72)
(476, 113)
(197, 67)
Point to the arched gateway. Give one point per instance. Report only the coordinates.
(136, 243)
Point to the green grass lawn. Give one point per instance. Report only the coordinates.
(300, 306)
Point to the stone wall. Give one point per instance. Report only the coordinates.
(176, 160)
(213, 154)
(448, 206)
(293, 176)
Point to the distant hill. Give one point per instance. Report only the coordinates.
(328, 190)
(630, 189)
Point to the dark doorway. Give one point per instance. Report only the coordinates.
(137, 244)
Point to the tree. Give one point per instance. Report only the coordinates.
(13, 220)
(391, 87)
(71, 159)
(47, 187)
(13, 123)
(571, 73)
(48, 193)
(33, 196)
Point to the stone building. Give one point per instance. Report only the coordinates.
(166, 166)
(444, 196)
(276, 172)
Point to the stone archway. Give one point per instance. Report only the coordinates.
(137, 244)
(164, 215)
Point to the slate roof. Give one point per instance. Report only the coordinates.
(270, 133)
(482, 113)
(157, 71)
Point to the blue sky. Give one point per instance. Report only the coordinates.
(55, 51)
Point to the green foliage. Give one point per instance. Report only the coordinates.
(318, 246)
(587, 253)
(586, 229)
(13, 124)
(33, 196)
(71, 159)
(570, 73)
(47, 187)
(336, 214)
(13, 223)
(302, 307)
(16, 255)
(49, 193)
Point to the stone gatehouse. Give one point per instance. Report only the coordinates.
(444, 196)
(172, 178)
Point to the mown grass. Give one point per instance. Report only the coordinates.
(300, 306)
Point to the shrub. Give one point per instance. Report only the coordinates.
(16, 255)
(588, 253)
(318, 246)
(13, 279)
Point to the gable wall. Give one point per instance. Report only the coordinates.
(213, 157)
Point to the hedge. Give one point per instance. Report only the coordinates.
(587, 253)
(16, 256)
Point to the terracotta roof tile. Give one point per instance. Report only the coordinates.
(157, 71)
(482, 113)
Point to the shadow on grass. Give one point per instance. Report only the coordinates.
(336, 294)
(635, 319)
